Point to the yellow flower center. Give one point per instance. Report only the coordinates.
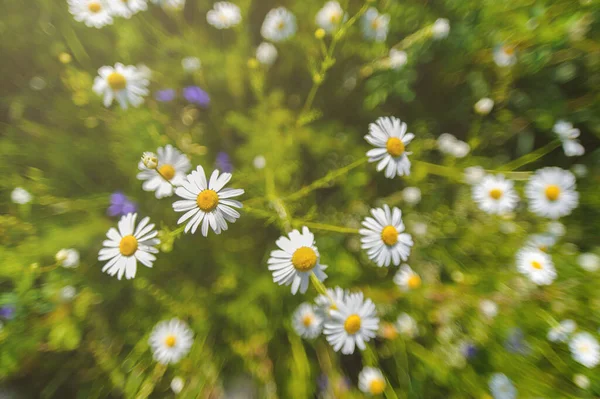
(170, 341)
(584, 348)
(536, 265)
(280, 25)
(335, 18)
(496, 193)
(543, 248)
(389, 331)
(414, 281)
(128, 245)
(352, 324)
(377, 386)
(552, 192)
(389, 235)
(167, 171)
(307, 320)
(116, 81)
(375, 23)
(508, 50)
(395, 146)
(304, 259)
(94, 7)
(207, 200)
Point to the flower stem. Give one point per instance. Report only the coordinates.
(321, 289)
(529, 158)
(325, 227)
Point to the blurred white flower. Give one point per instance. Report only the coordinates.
(191, 64)
(536, 265)
(484, 106)
(411, 195)
(568, 136)
(127, 8)
(489, 308)
(259, 162)
(177, 384)
(543, 242)
(440, 28)
(562, 331)
(374, 25)
(353, 324)
(170, 341)
(20, 196)
(279, 25)
(585, 349)
(68, 258)
(556, 229)
(389, 137)
(579, 170)
(407, 279)
(589, 261)
(330, 17)
(397, 58)
(581, 381)
(371, 381)
(170, 4)
(170, 172)
(94, 13)
(67, 293)
(127, 84)
(407, 326)
(419, 228)
(501, 387)
(495, 195)
(505, 56)
(448, 144)
(224, 15)
(473, 174)
(266, 53)
(551, 193)
(327, 303)
(306, 322)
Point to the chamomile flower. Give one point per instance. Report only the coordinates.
(20, 196)
(411, 195)
(589, 261)
(536, 265)
(488, 308)
(170, 4)
(562, 332)
(266, 53)
(94, 13)
(502, 387)
(389, 137)
(397, 59)
(543, 242)
(375, 26)
(170, 340)
(279, 25)
(68, 258)
(296, 259)
(551, 193)
(371, 381)
(127, 8)
(127, 84)
(585, 349)
(327, 303)
(473, 174)
(330, 17)
(568, 136)
(177, 384)
(224, 15)
(191, 64)
(407, 326)
(208, 203)
(383, 237)
(448, 144)
(407, 279)
(484, 106)
(505, 56)
(495, 195)
(440, 28)
(306, 322)
(171, 169)
(352, 324)
(128, 245)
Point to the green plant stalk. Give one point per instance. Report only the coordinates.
(531, 157)
(149, 384)
(321, 289)
(325, 227)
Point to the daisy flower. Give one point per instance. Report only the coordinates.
(327, 303)
(224, 15)
(170, 4)
(440, 28)
(126, 8)
(371, 381)
(375, 26)
(170, 341)
(589, 261)
(127, 84)
(536, 265)
(543, 242)
(562, 332)
(296, 259)
(484, 106)
(489, 308)
(551, 193)
(397, 59)
(279, 25)
(352, 324)
(389, 137)
(568, 136)
(505, 56)
(585, 349)
(20, 196)
(177, 384)
(266, 53)
(448, 144)
(407, 279)
(94, 13)
(330, 17)
(191, 64)
(170, 170)
(68, 258)
(128, 245)
(208, 203)
(495, 195)
(502, 387)
(306, 322)
(473, 174)
(407, 326)
(383, 237)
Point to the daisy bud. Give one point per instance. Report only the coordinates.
(320, 33)
(484, 106)
(177, 385)
(440, 28)
(581, 381)
(150, 160)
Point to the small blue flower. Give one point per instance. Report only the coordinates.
(120, 205)
(196, 95)
(165, 96)
(469, 350)
(7, 312)
(515, 343)
(223, 162)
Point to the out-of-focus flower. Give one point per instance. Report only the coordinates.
(375, 26)
(397, 59)
(551, 192)
(164, 96)
(589, 261)
(495, 195)
(543, 242)
(196, 95)
(128, 245)
(585, 349)
(94, 13)
(224, 15)
(68, 258)
(126, 84)
(306, 322)
(579, 170)
(501, 387)
(568, 136)
(556, 229)
(266, 53)
(419, 228)
(168, 175)
(330, 17)
(488, 308)
(177, 384)
(126, 8)
(536, 265)
(383, 237)
(581, 381)
(468, 349)
(505, 56)
(484, 106)
(353, 324)
(223, 162)
(150, 160)
(561, 332)
(411, 195)
(170, 341)
(407, 279)
(120, 205)
(448, 144)
(259, 162)
(407, 326)
(389, 137)
(7, 312)
(515, 342)
(440, 28)
(279, 25)
(371, 381)
(191, 64)
(67, 293)
(473, 174)
(20, 196)
(170, 4)
(327, 303)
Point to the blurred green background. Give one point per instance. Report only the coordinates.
(71, 153)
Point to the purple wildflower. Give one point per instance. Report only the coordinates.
(196, 95)
(120, 205)
(165, 96)
(223, 162)
(7, 312)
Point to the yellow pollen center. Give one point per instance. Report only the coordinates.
(116, 81)
(552, 192)
(281, 25)
(128, 245)
(377, 386)
(167, 171)
(375, 23)
(304, 259)
(207, 200)
(509, 50)
(394, 146)
(335, 18)
(352, 324)
(307, 320)
(584, 348)
(543, 248)
(170, 341)
(389, 235)
(414, 281)
(496, 193)
(536, 265)
(94, 7)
